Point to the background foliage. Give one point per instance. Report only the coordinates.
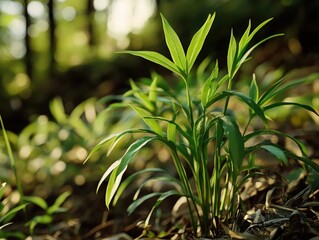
(47, 47)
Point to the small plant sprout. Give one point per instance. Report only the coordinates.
(49, 211)
(210, 149)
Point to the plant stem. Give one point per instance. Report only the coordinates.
(12, 161)
(229, 87)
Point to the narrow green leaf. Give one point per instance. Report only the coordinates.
(280, 87)
(11, 213)
(171, 132)
(57, 110)
(244, 41)
(40, 202)
(235, 143)
(137, 92)
(158, 202)
(231, 55)
(279, 104)
(244, 58)
(58, 202)
(178, 127)
(174, 45)
(122, 134)
(209, 89)
(2, 187)
(197, 41)
(153, 91)
(145, 115)
(131, 178)
(277, 152)
(100, 144)
(258, 133)
(10, 153)
(45, 219)
(165, 178)
(113, 184)
(306, 160)
(254, 90)
(141, 200)
(107, 173)
(156, 58)
(252, 105)
(119, 169)
(258, 28)
(269, 94)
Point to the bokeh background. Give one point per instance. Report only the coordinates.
(67, 48)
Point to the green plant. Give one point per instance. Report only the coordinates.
(51, 150)
(7, 209)
(49, 211)
(199, 125)
(7, 212)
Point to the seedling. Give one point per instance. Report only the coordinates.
(200, 129)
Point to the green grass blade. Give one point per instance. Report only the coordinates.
(269, 94)
(137, 92)
(236, 143)
(107, 173)
(231, 55)
(248, 52)
(141, 200)
(100, 144)
(209, 89)
(258, 28)
(40, 202)
(171, 132)
(146, 116)
(258, 133)
(197, 41)
(303, 159)
(12, 213)
(118, 171)
(131, 178)
(252, 105)
(254, 90)
(153, 91)
(11, 158)
(244, 41)
(58, 202)
(174, 45)
(158, 59)
(158, 202)
(280, 87)
(279, 104)
(57, 110)
(277, 152)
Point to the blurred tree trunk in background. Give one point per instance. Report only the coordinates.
(90, 22)
(52, 37)
(27, 42)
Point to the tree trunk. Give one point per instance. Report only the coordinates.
(52, 38)
(27, 42)
(90, 22)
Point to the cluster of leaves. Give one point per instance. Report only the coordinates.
(8, 210)
(200, 129)
(49, 148)
(49, 211)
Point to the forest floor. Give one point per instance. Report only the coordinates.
(271, 208)
(274, 210)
